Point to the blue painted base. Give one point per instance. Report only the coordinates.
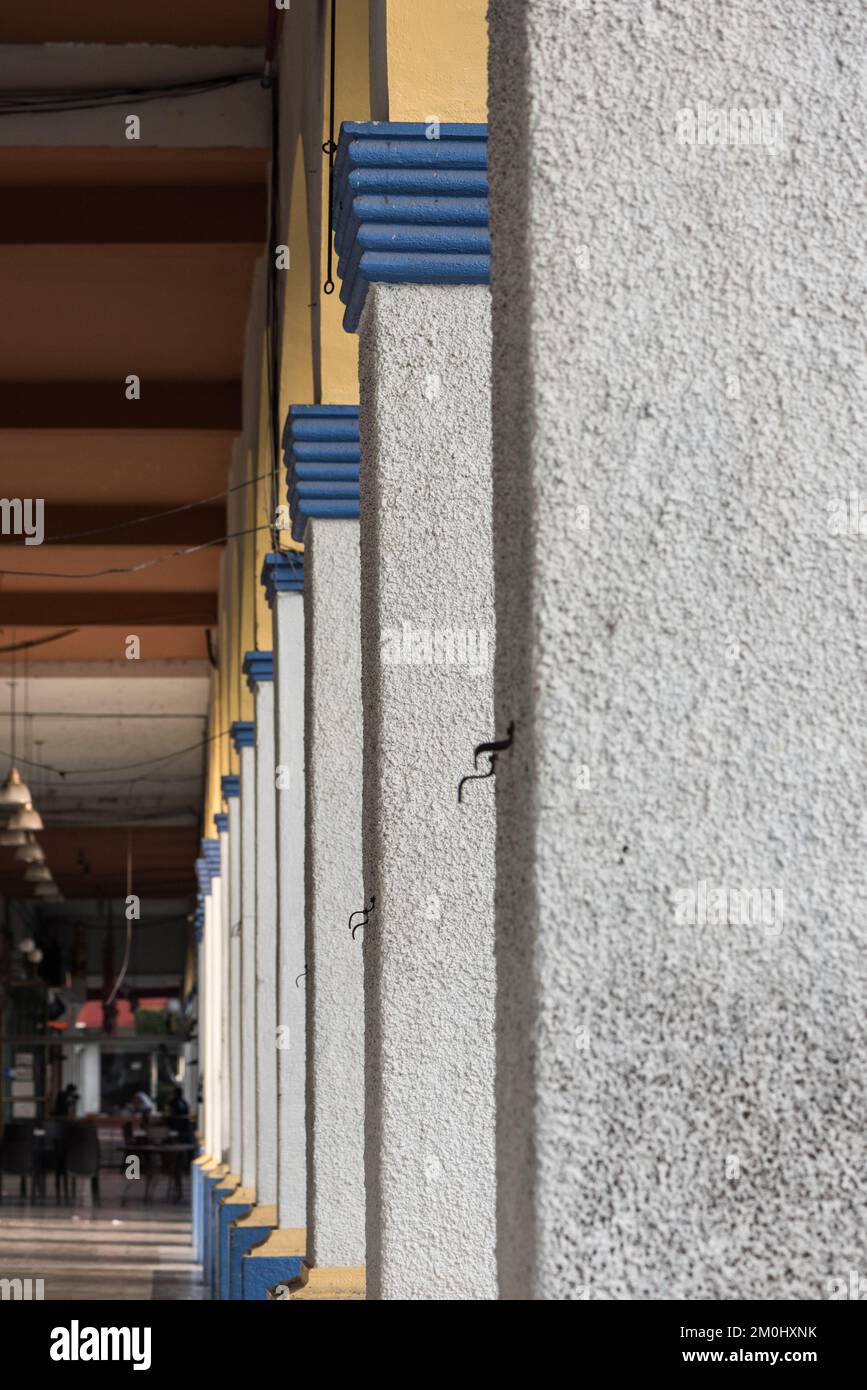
(208, 1185)
(261, 1272)
(227, 1215)
(242, 1239)
(219, 1193)
(197, 1210)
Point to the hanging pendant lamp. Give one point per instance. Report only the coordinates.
(12, 837)
(31, 852)
(14, 792)
(38, 873)
(26, 818)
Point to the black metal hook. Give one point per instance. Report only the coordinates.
(301, 976)
(363, 912)
(490, 750)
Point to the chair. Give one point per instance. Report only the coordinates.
(52, 1155)
(82, 1154)
(18, 1155)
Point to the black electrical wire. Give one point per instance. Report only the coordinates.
(34, 101)
(330, 148)
(142, 565)
(120, 767)
(38, 641)
(151, 516)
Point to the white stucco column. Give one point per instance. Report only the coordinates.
(207, 1024)
(230, 786)
(334, 886)
(258, 668)
(283, 577)
(427, 621)
(335, 1005)
(681, 866)
(243, 734)
(221, 824)
(277, 1261)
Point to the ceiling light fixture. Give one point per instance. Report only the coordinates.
(31, 852)
(14, 792)
(26, 818)
(38, 873)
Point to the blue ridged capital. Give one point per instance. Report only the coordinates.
(230, 786)
(257, 667)
(211, 857)
(221, 821)
(322, 451)
(243, 733)
(282, 572)
(410, 207)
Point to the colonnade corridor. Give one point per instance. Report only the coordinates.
(432, 798)
(113, 1252)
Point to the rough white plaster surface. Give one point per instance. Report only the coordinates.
(681, 1109)
(225, 994)
(427, 617)
(233, 810)
(206, 1026)
(247, 760)
(333, 889)
(288, 616)
(266, 949)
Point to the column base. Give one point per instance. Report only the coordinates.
(250, 1230)
(232, 1210)
(222, 1189)
(330, 1283)
(210, 1177)
(200, 1166)
(277, 1261)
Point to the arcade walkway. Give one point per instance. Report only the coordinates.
(110, 1252)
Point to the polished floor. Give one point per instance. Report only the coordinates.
(112, 1251)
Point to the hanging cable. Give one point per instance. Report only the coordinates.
(36, 101)
(38, 641)
(123, 969)
(330, 149)
(122, 767)
(150, 516)
(142, 565)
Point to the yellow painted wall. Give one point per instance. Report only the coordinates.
(339, 349)
(426, 60)
(437, 60)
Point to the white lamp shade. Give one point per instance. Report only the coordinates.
(30, 852)
(26, 945)
(12, 837)
(35, 956)
(45, 890)
(26, 818)
(14, 792)
(38, 873)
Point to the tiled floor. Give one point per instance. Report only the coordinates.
(105, 1252)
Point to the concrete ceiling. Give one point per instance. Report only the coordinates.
(118, 260)
(224, 22)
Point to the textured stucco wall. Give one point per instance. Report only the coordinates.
(429, 969)
(288, 617)
(333, 888)
(225, 989)
(233, 810)
(675, 351)
(266, 949)
(247, 761)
